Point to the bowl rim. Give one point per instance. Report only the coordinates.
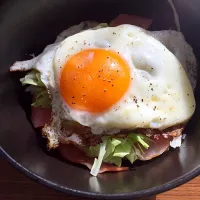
(138, 194)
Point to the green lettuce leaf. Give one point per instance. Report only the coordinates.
(115, 141)
(41, 95)
(32, 78)
(122, 150)
(93, 151)
(42, 100)
(132, 157)
(117, 149)
(138, 138)
(109, 147)
(113, 160)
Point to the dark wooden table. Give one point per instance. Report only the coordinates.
(15, 186)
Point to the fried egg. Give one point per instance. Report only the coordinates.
(117, 78)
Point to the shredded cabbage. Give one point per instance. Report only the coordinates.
(42, 100)
(41, 95)
(32, 78)
(97, 162)
(117, 149)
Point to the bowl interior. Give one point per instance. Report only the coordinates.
(27, 27)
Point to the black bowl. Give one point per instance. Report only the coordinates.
(27, 27)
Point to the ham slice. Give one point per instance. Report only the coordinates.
(74, 154)
(161, 141)
(133, 20)
(40, 116)
(156, 148)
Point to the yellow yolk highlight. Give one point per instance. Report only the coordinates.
(94, 80)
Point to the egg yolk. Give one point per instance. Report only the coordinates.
(94, 80)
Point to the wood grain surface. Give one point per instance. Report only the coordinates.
(15, 186)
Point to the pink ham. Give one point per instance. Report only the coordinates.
(161, 140)
(74, 154)
(133, 20)
(40, 116)
(155, 148)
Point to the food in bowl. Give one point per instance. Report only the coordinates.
(107, 93)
